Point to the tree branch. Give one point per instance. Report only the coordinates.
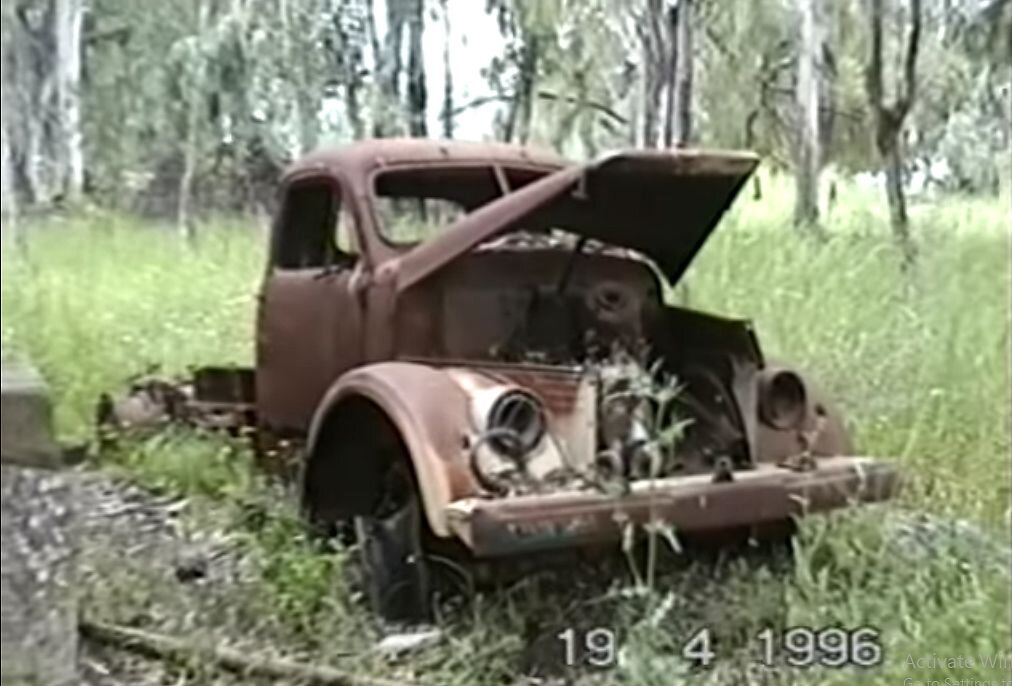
(717, 42)
(572, 100)
(543, 95)
(119, 34)
(826, 109)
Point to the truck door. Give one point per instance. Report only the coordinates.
(309, 319)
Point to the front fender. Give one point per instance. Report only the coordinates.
(430, 412)
(824, 433)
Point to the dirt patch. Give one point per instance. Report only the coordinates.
(136, 546)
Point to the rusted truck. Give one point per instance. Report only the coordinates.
(470, 348)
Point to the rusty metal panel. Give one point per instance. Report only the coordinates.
(362, 158)
(309, 331)
(533, 523)
(225, 385)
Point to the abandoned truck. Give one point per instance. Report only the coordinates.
(471, 346)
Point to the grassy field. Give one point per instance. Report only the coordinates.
(918, 362)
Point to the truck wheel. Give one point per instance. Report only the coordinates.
(396, 572)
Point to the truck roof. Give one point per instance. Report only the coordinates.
(361, 158)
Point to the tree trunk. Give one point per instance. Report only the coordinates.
(386, 120)
(194, 88)
(671, 69)
(392, 47)
(528, 81)
(683, 73)
(417, 92)
(750, 122)
(447, 112)
(898, 219)
(34, 188)
(378, 65)
(305, 105)
(654, 62)
(348, 57)
(808, 154)
(28, 103)
(888, 119)
(308, 120)
(67, 20)
(351, 90)
(8, 203)
(1005, 178)
(521, 110)
(41, 100)
(8, 196)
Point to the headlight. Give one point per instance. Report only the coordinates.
(515, 423)
(783, 399)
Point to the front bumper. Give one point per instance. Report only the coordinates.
(765, 495)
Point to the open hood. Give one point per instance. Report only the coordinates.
(663, 204)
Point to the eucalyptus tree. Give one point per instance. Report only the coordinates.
(808, 155)
(956, 132)
(888, 117)
(446, 116)
(211, 98)
(196, 105)
(531, 31)
(43, 145)
(585, 93)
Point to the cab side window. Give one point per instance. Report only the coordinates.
(315, 229)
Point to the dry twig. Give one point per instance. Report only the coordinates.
(163, 647)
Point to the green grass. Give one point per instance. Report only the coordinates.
(96, 300)
(174, 462)
(918, 361)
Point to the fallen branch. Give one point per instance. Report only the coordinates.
(163, 647)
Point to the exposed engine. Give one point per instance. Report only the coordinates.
(663, 379)
(644, 422)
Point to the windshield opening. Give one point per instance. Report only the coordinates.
(415, 204)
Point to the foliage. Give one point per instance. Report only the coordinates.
(301, 578)
(257, 82)
(914, 368)
(173, 462)
(840, 554)
(126, 298)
